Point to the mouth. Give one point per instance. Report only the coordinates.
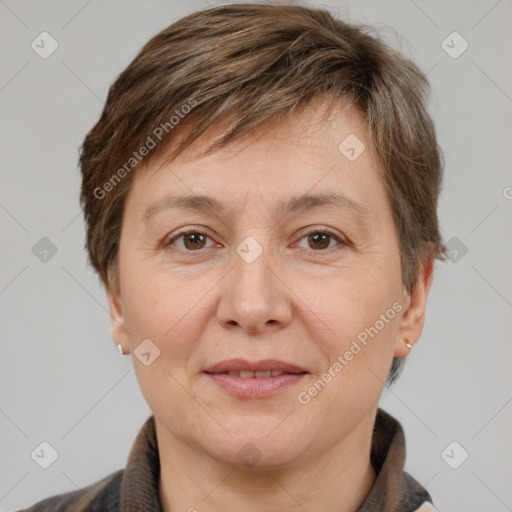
(259, 369)
(244, 374)
(260, 379)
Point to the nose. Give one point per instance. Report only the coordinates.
(254, 296)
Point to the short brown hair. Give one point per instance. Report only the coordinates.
(251, 64)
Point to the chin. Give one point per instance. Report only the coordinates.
(259, 457)
(261, 445)
(263, 428)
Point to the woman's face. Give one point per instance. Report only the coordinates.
(259, 278)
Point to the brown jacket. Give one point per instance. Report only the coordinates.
(135, 488)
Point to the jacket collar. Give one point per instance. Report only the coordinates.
(139, 488)
(394, 490)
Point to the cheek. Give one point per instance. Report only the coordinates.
(355, 320)
(168, 312)
(172, 312)
(357, 349)
(347, 303)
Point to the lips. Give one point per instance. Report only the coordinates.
(250, 380)
(258, 369)
(244, 374)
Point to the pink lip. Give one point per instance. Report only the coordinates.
(255, 387)
(236, 365)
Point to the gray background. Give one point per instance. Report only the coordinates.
(61, 377)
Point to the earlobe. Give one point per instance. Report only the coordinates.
(413, 318)
(117, 323)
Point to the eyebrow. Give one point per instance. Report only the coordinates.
(295, 204)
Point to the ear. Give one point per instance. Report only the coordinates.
(117, 320)
(413, 318)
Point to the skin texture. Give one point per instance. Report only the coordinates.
(302, 301)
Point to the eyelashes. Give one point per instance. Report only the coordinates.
(195, 241)
(325, 234)
(188, 234)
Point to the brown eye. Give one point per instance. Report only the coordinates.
(194, 241)
(320, 241)
(190, 241)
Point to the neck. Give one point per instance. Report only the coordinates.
(335, 481)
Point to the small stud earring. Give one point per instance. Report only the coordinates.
(120, 348)
(407, 344)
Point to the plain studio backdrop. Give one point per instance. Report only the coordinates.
(62, 380)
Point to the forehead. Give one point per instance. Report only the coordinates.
(283, 159)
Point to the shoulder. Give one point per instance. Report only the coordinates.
(101, 495)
